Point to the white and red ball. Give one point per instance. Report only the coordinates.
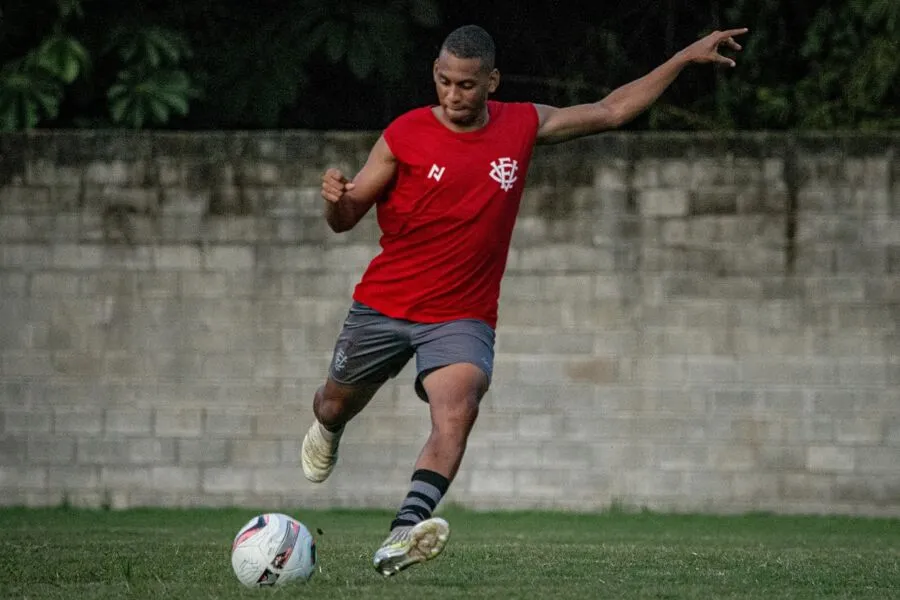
(273, 549)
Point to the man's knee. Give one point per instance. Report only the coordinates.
(460, 408)
(336, 403)
(454, 394)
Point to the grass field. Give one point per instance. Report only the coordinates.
(161, 554)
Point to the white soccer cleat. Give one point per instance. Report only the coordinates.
(410, 545)
(319, 452)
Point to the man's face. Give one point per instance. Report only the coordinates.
(463, 86)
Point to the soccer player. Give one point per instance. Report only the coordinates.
(446, 181)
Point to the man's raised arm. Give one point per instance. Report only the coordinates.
(628, 101)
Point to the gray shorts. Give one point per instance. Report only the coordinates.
(373, 347)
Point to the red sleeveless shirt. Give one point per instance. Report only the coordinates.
(448, 215)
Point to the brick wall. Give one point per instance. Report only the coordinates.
(688, 322)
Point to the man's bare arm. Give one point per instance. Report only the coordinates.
(627, 102)
(346, 202)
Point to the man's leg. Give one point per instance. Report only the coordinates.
(370, 349)
(453, 392)
(334, 405)
(454, 361)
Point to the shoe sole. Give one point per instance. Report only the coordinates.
(427, 541)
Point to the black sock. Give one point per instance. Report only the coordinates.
(425, 492)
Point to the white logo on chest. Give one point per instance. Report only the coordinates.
(436, 173)
(503, 171)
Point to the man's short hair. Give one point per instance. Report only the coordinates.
(471, 41)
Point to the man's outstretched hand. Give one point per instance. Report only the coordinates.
(706, 50)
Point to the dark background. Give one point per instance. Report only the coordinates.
(807, 64)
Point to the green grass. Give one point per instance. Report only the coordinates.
(162, 554)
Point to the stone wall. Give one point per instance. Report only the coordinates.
(688, 322)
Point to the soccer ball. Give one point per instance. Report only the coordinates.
(273, 549)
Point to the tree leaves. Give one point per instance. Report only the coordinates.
(150, 85)
(805, 64)
(265, 67)
(854, 52)
(63, 57)
(257, 75)
(32, 87)
(27, 94)
(370, 38)
(151, 46)
(819, 65)
(138, 99)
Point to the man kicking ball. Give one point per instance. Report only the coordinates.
(447, 181)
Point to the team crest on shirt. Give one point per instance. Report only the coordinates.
(503, 171)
